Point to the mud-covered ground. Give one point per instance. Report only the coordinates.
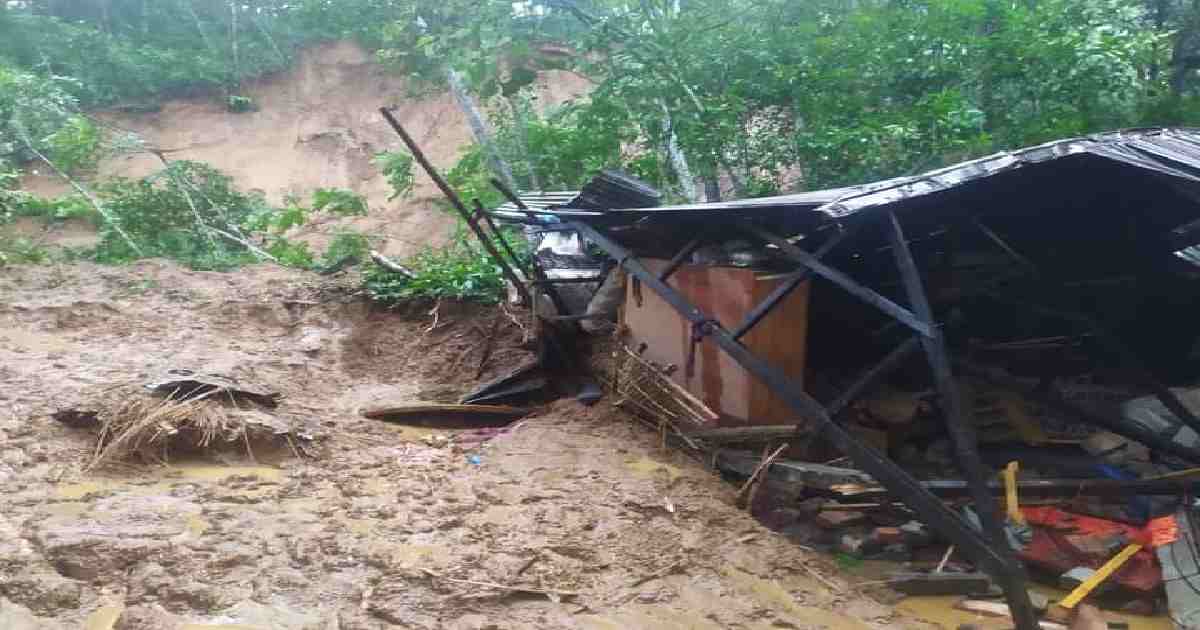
(384, 526)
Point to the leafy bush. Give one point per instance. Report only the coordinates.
(276, 221)
(456, 271)
(347, 248)
(35, 110)
(15, 250)
(339, 201)
(397, 169)
(177, 214)
(75, 146)
(471, 178)
(291, 253)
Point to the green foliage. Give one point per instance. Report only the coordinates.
(397, 169)
(570, 145)
(347, 248)
(11, 199)
(239, 104)
(17, 250)
(176, 214)
(18, 203)
(75, 146)
(276, 221)
(785, 94)
(40, 112)
(291, 253)
(470, 177)
(339, 201)
(457, 270)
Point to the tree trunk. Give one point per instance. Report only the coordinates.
(480, 130)
(678, 159)
(522, 139)
(987, 82)
(200, 26)
(233, 37)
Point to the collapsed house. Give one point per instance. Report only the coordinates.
(1031, 309)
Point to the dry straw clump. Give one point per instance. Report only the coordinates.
(154, 429)
(648, 392)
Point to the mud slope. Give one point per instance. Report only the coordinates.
(318, 125)
(383, 527)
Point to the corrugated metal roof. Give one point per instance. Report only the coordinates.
(540, 201)
(1172, 152)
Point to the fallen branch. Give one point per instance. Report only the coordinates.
(766, 463)
(91, 199)
(386, 263)
(503, 587)
(256, 250)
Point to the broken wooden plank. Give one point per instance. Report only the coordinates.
(941, 583)
(816, 475)
(839, 519)
(447, 415)
(1102, 574)
(747, 434)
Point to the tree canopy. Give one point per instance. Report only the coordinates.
(767, 94)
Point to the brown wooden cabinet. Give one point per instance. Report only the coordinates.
(728, 294)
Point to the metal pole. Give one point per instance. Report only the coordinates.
(962, 431)
(785, 289)
(876, 464)
(679, 258)
(457, 203)
(887, 365)
(847, 283)
(535, 267)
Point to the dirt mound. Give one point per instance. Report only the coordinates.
(318, 125)
(572, 518)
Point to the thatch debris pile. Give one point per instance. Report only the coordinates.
(181, 415)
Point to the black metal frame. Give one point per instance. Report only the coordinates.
(988, 549)
(471, 218)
